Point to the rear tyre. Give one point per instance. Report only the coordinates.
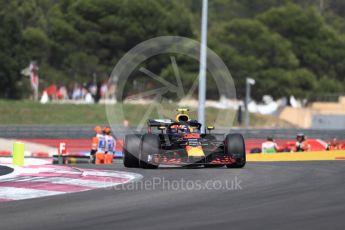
(235, 148)
(131, 151)
(149, 147)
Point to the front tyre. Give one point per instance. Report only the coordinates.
(149, 147)
(234, 147)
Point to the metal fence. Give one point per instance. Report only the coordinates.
(86, 131)
(291, 133)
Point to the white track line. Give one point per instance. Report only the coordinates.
(12, 193)
(67, 181)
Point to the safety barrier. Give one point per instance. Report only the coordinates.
(86, 132)
(81, 146)
(76, 147)
(298, 156)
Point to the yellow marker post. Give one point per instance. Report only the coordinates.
(18, 154)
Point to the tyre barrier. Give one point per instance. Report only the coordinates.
(70, 160)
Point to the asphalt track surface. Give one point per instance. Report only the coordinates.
(299, 195)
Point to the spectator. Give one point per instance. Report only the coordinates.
(83, 93)
(111, 91)
(98, 92)
(76, 95)
(334, 145)
(126, 124)
(104, 90)
(301, 144)
(62, 93)
(269, 146)
(93, 89)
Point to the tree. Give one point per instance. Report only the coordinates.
(281, 83)
(10, 62)
(248, 48)
(317, 46)
(284, 44)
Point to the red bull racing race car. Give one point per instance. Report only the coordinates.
(180, 142)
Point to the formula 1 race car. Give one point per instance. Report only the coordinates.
(180, 142)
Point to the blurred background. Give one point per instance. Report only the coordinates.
(56, 58)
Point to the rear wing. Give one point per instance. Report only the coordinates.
(159, 122)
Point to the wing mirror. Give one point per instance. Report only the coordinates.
(161, 128)
(209, 128)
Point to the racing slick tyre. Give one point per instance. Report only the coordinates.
(131, 151)
(149, 146)
(235, 148)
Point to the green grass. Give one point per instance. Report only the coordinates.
(29, 112)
